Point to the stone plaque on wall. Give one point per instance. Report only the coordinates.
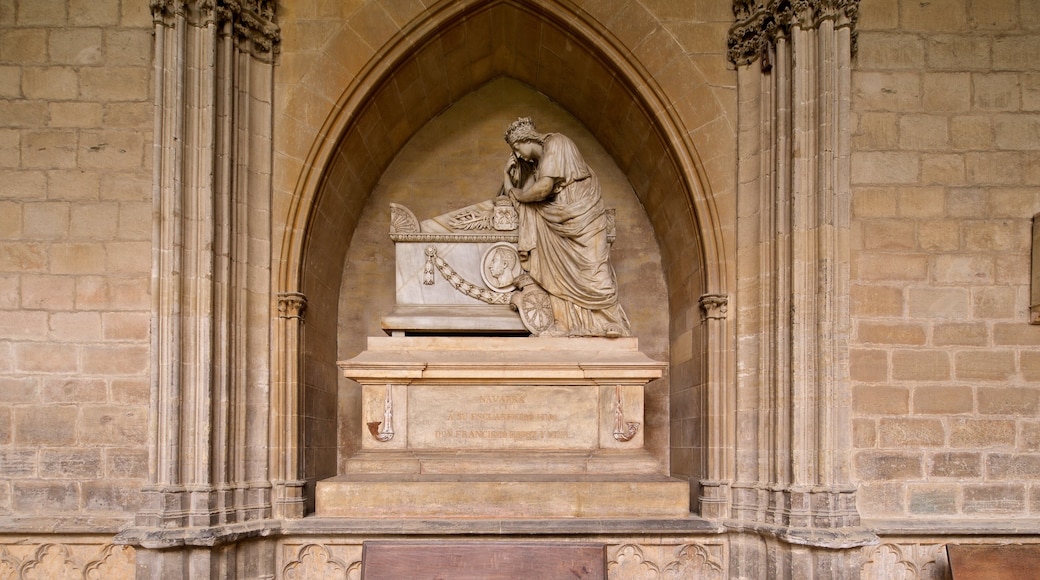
(486, 417)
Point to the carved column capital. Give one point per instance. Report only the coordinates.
(252, 21)
(758, 23)
(715, 306)
(292, 305)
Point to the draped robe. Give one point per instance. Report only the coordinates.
(563, 245)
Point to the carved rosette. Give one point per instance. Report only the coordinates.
(251, 21)
(758, 23)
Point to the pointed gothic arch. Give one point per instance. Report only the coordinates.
(404, 85)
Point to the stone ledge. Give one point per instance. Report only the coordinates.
(56, 524)
(954, 527)
(319, 526)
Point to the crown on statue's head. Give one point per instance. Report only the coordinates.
(521, 129)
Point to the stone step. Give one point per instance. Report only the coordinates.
(501, 496)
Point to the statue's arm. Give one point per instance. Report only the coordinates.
(540, 189)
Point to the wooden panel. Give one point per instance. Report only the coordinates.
(482, 561)
(992, 562)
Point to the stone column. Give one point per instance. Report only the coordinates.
(793, 67)
(211, 281)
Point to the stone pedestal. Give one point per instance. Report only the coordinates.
(501, 428)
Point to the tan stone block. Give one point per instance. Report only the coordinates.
(71, 114)
(939, 235)
(1007, 202)
(958, 52)
(923, 132)
(45, 220)
(871, 167)
(1008, 400)
(10, 298)
(890, 51)
(985, 365)
(70, 463)
(129, 115)
(1030, 91)
(45, 425)
(11, 157)
(130, 391)
(995, 302)
(1016, 52)
(115, 83)
(946, 92)
(10, 220)
(1029, 436)
(94, 221)
(881, 499)
(868, 202)
(18, 462)
(1029, 361)
(995, 498)
(993, 15)
(982, 433)
(112, 496)
(44, 358)
(943, 168)
(890, 333)
(1017, 132)
(997, 236)
(864, 433)
(50, 13)
(135, 15)
(22, 257)
(126, 186)
(76, 46)
(130, 293)
(882, 91)
(78, 259)
(910, 433)
(114, 359)
(53, 497)
(126, 257)
(971, 132)
(960, 334)
(75, 326)
(879, 15)
(890, 266)
(889, 235)
(1017, 466)
(880, 400)
(93, 12)
(74, 390)
(24, 46)
(135, 221)
(10, 81)
(74, 184)
(932, 16)
(1016, 334)
(49, 149)
(125, 325)
(23, 324)
(996, 91)
(887, 465)
(50, 83)
(112, 150)
(871, 300)
(126, 463)
(943, 400)
(868, 365)
(963, 269)
(933, 499)
(113, 425)
(6, 427)
(18, 390)
(875, 131)
(962, 465)
(920, 365)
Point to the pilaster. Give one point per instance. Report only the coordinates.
(211, 275)
(793, 66)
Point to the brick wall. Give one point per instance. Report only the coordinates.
(75, 254)
(946, 167)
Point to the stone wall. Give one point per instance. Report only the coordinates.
(945, 169)
(75, 256)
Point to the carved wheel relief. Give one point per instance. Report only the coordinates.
(535, 309)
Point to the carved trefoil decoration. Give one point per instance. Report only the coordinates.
(383, 431)
(623, 430)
